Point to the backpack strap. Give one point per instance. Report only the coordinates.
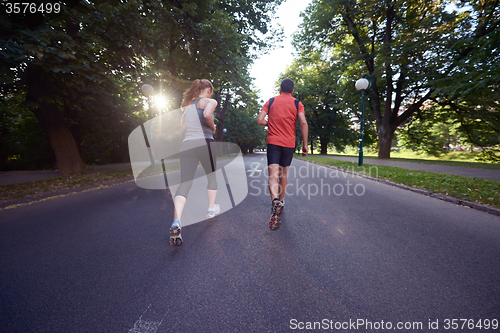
(271, 101)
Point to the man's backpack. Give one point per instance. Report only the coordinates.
(271, 101)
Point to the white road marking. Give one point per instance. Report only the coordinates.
(146, 326)
(254, 167)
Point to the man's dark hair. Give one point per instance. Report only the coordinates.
(287, 86)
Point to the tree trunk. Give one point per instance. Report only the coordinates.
(52, 121)
(385, 136)
(324, 146)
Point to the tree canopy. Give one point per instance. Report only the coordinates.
(316, 87)
(416, 51)
(79, 71)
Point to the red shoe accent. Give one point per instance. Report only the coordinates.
(274, 222)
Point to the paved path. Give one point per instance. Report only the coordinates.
(350, 250)
(451, 170)
(18, 177)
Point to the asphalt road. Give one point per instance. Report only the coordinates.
(349, 251)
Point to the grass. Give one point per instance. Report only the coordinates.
(455, 158)
(42, 187)
(477, 190)
(39, 188)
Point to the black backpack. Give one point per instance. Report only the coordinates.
(271, 101)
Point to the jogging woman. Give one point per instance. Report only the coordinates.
(198, 108)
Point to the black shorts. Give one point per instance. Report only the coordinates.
(279, 155)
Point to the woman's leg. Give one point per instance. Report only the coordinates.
(179, 203)
(189, 163)
(208, 160)
(212, 194)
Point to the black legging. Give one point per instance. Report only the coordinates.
(192, 152)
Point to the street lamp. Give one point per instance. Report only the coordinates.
(362, 84)
(147, 90)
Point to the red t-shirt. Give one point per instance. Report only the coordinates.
(282, 120)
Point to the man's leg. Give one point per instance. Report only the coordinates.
(274, 182)
(274, 190)
(283, 182)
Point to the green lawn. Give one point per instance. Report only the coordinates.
(478, 190)
(455, 158)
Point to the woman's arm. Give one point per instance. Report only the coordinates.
(208, 105)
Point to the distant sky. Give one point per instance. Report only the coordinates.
(268, 67)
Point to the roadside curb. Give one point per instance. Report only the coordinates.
(456, 201)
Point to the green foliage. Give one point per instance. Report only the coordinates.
(471, 87)
(94, 56)
(24, 145)
(243, 128)
(315, 86)
(415, 51)
(434, 134)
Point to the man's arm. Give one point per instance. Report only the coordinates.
(261, 118)
(304, 130)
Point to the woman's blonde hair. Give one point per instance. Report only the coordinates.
(194, 91)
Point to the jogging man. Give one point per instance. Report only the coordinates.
(282, 112)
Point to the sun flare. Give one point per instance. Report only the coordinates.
(161, 101)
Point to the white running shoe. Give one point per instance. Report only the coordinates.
(175, 233)
(213, 211)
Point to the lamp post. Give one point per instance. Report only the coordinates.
(362, 84)
(148, 91)
(225, 131)
(227, 116)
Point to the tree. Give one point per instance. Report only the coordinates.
(65, 64)
(316, 87)
(433, 134)
(407, 46)
(24, 144)
(81, 69)
(242, 127)
(470, 92)
(216, 40)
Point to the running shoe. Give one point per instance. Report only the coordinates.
(281, 207)
(277, 207)
(275, 220)
(213, 211)
(175, 233)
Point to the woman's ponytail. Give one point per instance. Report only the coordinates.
(195, 90)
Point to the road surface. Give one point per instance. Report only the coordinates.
(352, 255)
